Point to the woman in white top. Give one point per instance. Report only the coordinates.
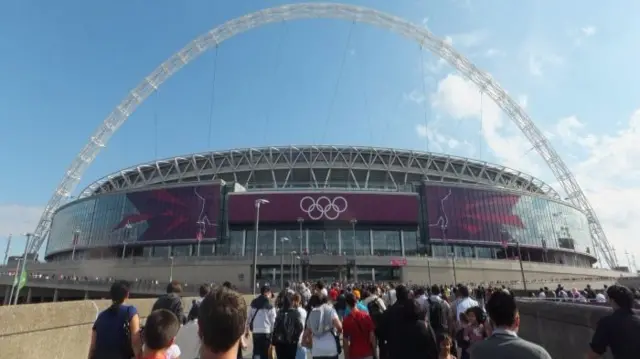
(323, 326)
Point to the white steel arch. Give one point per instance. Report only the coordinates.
(396, 24)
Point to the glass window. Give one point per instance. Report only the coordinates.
(294, 243)
(324, 241)
(266, 246)
(161, 251)
(386, 243)
(484, 252)
(362, 244)
(206, 249)
(183, 250)
(410, 239)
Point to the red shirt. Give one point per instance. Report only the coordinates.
(357, 326)
(333, 294)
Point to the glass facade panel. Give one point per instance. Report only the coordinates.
(410, 242)
(362, 244)
(183, 250)
(386, 243)
(482, 216)
(324, 241)
(295, 243)
(266, 242)
(162, 251)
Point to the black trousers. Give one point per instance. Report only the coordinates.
(261, 343)
(286, 351)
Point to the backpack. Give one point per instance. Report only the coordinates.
(375, 312)
(437, 321)
(288, 328)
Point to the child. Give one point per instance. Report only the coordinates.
(159, 335)
(445, 346)
(475, 330)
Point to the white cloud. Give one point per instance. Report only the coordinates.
(588, 31)
(539, 63)
(460, 99)
(523, 101)
(467, 39)
(490, 53)
(422, 131)
(414, 96)
(610, 177)
(581, 35)
(609, 173)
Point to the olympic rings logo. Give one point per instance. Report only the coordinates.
(323, 207)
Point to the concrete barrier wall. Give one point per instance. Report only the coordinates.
(55, 330)
(564, 329)
(62, 330)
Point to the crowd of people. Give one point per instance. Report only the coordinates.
(357, 321)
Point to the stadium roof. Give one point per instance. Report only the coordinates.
(366, 168)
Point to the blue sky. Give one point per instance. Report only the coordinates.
(66, 65)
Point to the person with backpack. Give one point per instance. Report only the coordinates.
(287, 329)
(260, 323)
(115, 333)
(376, 308)
(439, 312)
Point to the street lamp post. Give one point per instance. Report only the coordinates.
(6, 252)
(524, 281)
(300, 222)
(282, 241)
(292, 267)
(443, 228)
(171, 270)
(127, 228)
(15, 280)
(259, 202)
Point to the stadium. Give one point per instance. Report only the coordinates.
(325, 209)
(322, 211)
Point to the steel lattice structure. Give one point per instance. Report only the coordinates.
(396, 24)
(367, 168)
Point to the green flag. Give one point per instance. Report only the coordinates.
(23, 280)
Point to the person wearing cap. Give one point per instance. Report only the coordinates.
(260, 321)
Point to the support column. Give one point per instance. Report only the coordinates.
(55, 295)
(28, 296)
(402, 242)
(86, 294)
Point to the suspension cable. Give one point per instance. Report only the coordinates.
(481, 132)
(276, 68)
(424, 93)
(337, 85)
(365, 96)
(213, 97)
(155, 127)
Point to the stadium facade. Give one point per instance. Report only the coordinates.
(322, 201)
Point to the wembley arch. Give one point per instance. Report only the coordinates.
(419, 34)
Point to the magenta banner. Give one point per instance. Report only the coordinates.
(325, 206)
(185, 213)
